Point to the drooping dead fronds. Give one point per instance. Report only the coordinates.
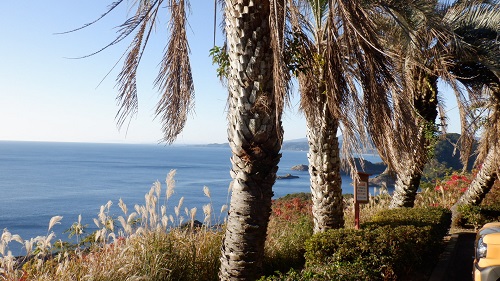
(281, 75)
(357, 58)
(476, 65)
(126, 81)
(175, 80)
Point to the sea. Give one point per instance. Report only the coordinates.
(39, 180)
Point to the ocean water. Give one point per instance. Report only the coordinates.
(39, 180)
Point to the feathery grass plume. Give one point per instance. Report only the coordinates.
(122, 206)
(163, 210)
(132, 218)
(207, 210)
(176, 211)
(223, 208)
(192, 214)
(53, 221)
(223, 212)
(157, 187)
(170, 181)
(6, 236)
(28, 245)
(164, 222)
(206, 191)
(127, 228)
(178, 207)
(7, 262)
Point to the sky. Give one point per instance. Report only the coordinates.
(45, 95)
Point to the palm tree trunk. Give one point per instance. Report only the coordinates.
(324, 170)
(410, 171)
(254, 136)
(405, 189)
(483, 181)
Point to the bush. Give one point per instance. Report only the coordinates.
(290, 225)
(383, 253)
(476, 216)
(439, 219)
(395, 245)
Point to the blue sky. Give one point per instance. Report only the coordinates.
(44, 96)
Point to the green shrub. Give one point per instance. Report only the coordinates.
(378, 253)
(439, 219)
(396, 244)
(476, 216)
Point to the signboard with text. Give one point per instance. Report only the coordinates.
(361, 193)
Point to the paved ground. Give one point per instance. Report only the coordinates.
(456, 262)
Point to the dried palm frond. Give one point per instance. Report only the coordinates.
(281, 75)
(175, 79)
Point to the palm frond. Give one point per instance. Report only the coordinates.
(110, 9)
(175, 80)
(281, 75)
(126, 80)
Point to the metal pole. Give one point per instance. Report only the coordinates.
(356, 206)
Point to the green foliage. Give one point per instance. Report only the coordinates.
(290, 225)
(382, 252)
(303, 196)
(433, 170)
(437, 218)
(396, 244)
(431, 131)
(295, 55)
(476, 216)
(221, 58)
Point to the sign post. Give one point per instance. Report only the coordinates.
(361, 195)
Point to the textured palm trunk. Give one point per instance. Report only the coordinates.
(324, 170)
(408, 177)
(483, 181)
(253, 136)
(405, 189)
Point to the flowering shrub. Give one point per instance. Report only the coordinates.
(455, 183)
(446, 191)
(290, 225)
(292, 208)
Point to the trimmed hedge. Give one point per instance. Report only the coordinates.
(439, 219)
(396, 245)
(476, 216)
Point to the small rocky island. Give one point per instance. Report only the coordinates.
(300, 168)
(287, 177)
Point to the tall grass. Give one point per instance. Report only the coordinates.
(147, 243)
(143, 244)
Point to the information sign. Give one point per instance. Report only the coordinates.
(362, 192)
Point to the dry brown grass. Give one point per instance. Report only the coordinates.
(146, 244)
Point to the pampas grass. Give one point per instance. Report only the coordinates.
(146, 244)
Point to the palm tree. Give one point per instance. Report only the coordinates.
(481, 71)
(489, 156)
(426, 59)
(174, 80)
(322, 126)
(257, 82)
(257, 86)
(333, 51)
(419, 36)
